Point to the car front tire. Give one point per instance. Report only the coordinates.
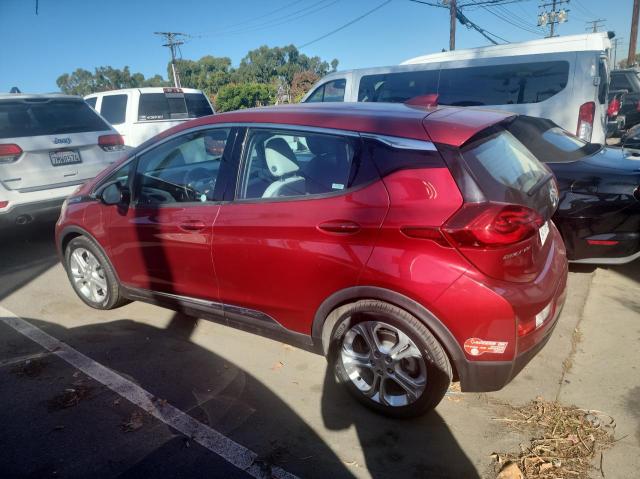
(91, 274)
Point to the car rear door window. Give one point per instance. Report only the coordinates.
(35, 117)
(397, 87)
(114, 108)
(502, 84)
(296, 164)
(182, 170)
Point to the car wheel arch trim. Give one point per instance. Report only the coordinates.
(78, 231)
(357, 293)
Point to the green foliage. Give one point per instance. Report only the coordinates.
(246, 95)
(264, 75)
(82, 82)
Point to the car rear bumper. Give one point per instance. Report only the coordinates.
(21, 214)
(485, 376)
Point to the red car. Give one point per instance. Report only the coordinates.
(411, 245)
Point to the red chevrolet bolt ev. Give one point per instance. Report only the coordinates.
(412, 246)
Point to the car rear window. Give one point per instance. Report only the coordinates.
(114, 108)
(35, 117)
(508, 172)
(548, 142)
(172, 106)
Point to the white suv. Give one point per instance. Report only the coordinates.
(141, 113)
(49, 144)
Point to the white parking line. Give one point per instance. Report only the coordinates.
(204, 435)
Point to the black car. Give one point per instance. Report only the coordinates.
(627, 81)
(599, 206)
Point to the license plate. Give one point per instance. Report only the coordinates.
(544, 232)
(61, 158)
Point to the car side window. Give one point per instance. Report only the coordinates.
(114, 108)
(620, 82)
(181, 170)
(332, 91)
(92, 102)
(281, 164)
(120, 175)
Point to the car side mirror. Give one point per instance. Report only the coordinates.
(114, 194)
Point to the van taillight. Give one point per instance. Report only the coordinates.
(614, 108)
(111, 142)
(491, 225)
(9, 153)
(586, 115)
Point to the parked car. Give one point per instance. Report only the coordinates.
(615, 119)
(410, 245)
(141, 113)
(627, 81)
(599, 211)
(49, 144)
(564, 79)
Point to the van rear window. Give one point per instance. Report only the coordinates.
(172, 106)
(35, 117)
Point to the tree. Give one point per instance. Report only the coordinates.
(207, 74)
(302, 83)
(83, 82)
(247, 95)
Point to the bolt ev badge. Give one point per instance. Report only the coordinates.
(62, 141)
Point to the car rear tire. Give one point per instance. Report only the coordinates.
(386, 358)
(92, 275)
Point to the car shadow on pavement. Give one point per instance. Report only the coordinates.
(25, 253)
(216, 392)
(421, 447)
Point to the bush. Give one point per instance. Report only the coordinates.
(247, 95)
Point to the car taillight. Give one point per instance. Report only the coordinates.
(586, 115)
(111, 142)
(531, 324)
(491, 225)
(3, 204)
(614, 108)
(9, 153)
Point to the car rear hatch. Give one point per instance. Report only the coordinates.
(52, 142)
(503, 227)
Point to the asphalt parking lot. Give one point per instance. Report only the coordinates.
(142, 391)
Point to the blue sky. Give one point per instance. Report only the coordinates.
(67, 34)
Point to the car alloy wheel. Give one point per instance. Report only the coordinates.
(383, 363)
(88, 276)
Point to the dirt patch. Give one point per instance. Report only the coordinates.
(565, 440)
(71, 396)
(30, 368)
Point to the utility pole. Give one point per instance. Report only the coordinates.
(594, 24)
(172, 43)
(453, 13)
(616, 44)
(554, 16)
(633, 37)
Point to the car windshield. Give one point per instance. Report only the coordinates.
(35, 117)
(548, 142)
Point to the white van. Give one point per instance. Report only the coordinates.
(564, 79)
(141, 113)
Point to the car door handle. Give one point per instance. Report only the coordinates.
(339, 226)
(192, 225)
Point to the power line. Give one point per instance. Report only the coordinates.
(554, 16)
(512, 22)
(295, 15)
(366, 14)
